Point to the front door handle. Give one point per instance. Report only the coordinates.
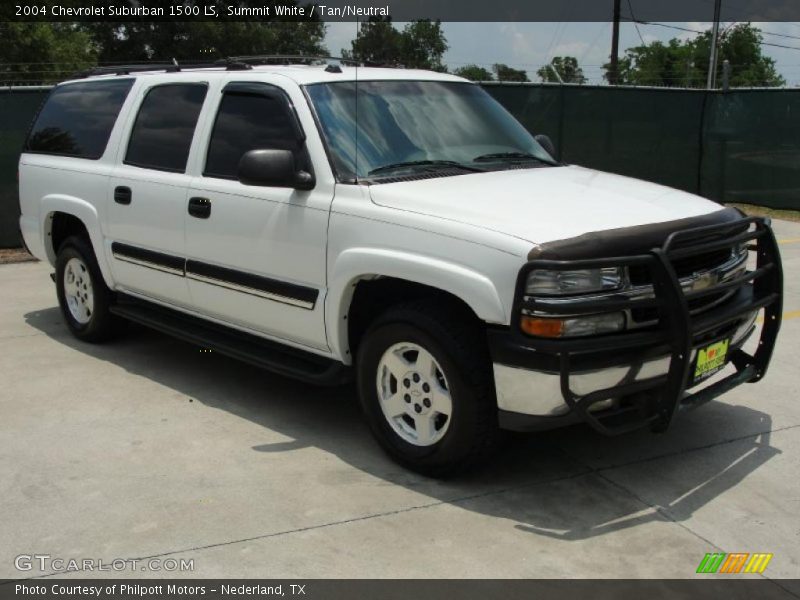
(122, 195)
(200, 207)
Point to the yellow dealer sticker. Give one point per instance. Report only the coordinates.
(711, 359)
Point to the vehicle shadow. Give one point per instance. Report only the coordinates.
(559, 484)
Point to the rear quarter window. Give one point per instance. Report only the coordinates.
(77, 119)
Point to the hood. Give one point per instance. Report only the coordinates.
(543, 204)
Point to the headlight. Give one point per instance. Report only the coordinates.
(543, 282)
(572, 326)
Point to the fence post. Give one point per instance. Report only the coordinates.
(726, 75)
(701, 141)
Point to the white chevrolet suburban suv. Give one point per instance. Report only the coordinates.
(399, 227)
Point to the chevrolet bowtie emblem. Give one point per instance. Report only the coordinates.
(703, 281)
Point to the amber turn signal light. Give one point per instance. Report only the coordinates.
(551, 328)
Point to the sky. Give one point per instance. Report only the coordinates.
(530, 45)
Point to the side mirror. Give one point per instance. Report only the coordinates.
(274, 168)
(546, 143)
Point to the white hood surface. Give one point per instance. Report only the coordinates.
(543, 204)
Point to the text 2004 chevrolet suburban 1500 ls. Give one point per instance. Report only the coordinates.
(397, 226)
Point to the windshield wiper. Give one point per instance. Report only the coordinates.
(423, 163)
(510, 156)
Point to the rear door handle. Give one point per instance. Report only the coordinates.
(200, 207)
(122, 195)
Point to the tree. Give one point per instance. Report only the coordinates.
(420, 45)
(201, 41)
(36, 53)
(568, 70)
(686, 62)
(377, 42)
(146, 40)
(474, 73)
(49, 52)
(506, 73)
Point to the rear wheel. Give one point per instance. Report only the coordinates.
(425, 386)
(82, 294)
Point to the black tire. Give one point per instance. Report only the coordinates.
(457, 341)
(101, 325)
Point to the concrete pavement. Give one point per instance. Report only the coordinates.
(148, 447)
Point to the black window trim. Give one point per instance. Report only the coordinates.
(253, 88)
(136, 118)
(25, 149)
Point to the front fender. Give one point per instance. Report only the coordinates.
(84, 211)
(355, 264)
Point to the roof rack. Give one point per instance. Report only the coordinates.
(233, 63)
(140, 68)
(289, 59)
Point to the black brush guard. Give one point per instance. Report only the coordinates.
(655, 401)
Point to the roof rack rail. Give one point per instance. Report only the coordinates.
(232, 63)
(140, 68)
(288, 59)
(172, 67)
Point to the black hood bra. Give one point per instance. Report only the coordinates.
(625, 241)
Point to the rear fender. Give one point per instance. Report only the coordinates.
(87, 214)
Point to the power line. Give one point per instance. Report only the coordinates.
(679, 28)
(783, 35)
(635, 24)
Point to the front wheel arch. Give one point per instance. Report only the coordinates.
(358, 266)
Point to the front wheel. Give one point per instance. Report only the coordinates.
(425, 386)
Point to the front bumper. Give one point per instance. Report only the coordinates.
(625, 381)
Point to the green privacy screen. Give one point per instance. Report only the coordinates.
(18, 106)
(751, 148)
(739, 146)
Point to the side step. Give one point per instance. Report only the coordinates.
(248, 348)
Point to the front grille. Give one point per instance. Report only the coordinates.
(684, 267)
(647, 315)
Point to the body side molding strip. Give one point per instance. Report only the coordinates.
(149, 258)
(239, 281)
(272, 289)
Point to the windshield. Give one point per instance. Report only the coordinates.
(377, 128)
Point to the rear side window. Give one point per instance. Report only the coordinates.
(77, 119)
(248, 122)
(163, 131)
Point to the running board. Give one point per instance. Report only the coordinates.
(246, 347)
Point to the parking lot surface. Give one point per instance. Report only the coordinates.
(150, 447)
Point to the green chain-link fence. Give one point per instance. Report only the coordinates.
(738, 146)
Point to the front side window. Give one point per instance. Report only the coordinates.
(77, 119)
(374, 128)
(164, 128)
(248, 121)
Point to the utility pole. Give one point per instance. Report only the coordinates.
(712, 62)
(613, 72)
